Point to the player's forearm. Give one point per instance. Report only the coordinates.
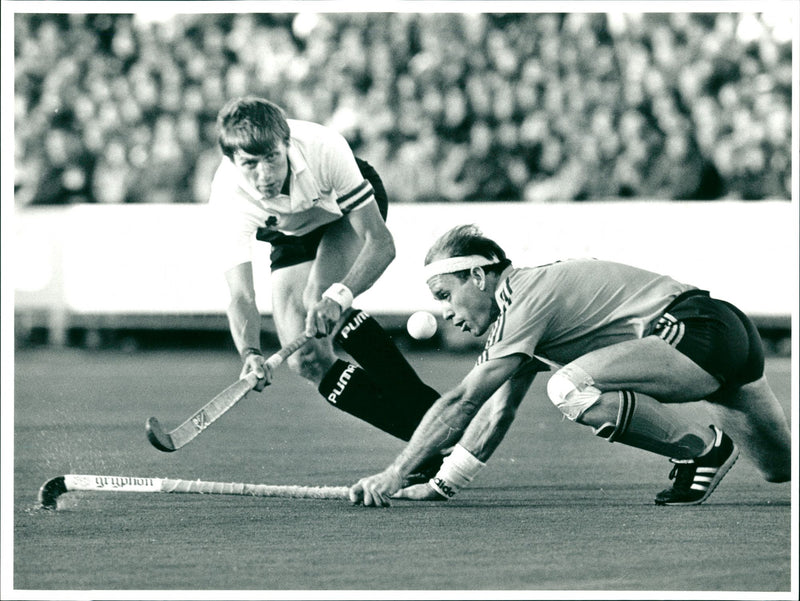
(440, 428)
(457, 410)
(375, 256)
(245, 324)
(485, 433)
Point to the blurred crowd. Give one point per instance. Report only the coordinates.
(448, 107)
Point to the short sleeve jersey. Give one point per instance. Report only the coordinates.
(325, 184)
(563, 310)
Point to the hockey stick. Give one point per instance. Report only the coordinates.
(216, 407)
(55, 487)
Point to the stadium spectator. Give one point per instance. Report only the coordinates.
(533, 107)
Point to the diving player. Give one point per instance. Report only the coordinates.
(625, 343)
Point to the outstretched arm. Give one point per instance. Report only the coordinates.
(441, 427)
(482, 436)
(487, 430)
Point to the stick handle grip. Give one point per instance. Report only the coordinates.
(283, 354)
(279, 357)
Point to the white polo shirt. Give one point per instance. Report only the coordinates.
(561, 311)
(325, 184)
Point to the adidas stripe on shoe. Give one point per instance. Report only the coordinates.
(695, 479)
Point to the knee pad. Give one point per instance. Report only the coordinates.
(572, 390)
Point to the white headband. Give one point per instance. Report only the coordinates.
(454, 264)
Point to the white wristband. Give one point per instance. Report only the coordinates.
(340, 294)
(458, 470)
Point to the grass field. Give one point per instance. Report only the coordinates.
(556, 509)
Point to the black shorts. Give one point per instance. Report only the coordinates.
(715, 335)
(292, 250)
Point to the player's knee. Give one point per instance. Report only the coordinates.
(778, 468)
(777, 477)
(572, 390)
(307, 363)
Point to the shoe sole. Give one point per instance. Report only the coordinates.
(724, 468)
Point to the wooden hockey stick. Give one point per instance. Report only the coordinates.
(55, 487)
(216, 407)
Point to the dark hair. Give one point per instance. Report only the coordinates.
(251, 124)
(465, 240)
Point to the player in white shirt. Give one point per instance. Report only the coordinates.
(297, 186)
(624, 343)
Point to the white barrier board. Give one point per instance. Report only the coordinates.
(156, 259)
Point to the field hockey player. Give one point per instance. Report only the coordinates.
(297, 186)
(624, 344)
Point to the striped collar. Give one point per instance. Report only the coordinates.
(502, 292)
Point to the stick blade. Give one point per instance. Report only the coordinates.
(157, 437)
(50, 491)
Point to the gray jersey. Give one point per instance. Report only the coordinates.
(561, 311)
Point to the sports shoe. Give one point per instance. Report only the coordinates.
(427, 469)
(695, 479)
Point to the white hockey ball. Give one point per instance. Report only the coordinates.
(421, 325)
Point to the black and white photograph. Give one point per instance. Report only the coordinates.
(400, 300)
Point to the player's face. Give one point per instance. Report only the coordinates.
(464, 303)
(265, 172)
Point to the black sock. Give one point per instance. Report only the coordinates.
(368, 343)
(348, 387)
